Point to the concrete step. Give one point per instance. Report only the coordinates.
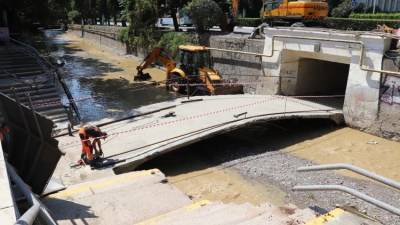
(40, 97)
(6, 67)
(47, 101)
(210, 214)
(53, 111)
(20, 72)
(61, 120)
(8, 89)
(18, 69)
(120, 199)
(43, 106)
(20, 60)
(10, 57)
(205, 212)
(57, 117)
(10, 84)
(34, 92)
(19, 66)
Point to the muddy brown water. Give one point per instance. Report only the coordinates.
(100, 85)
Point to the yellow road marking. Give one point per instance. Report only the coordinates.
(188, 208)
(197, 205)
(324, 219)
(102, 183)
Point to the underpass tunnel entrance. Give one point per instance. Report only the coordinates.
(315, 77)
(318, 77)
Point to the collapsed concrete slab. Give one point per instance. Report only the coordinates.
(134, 141)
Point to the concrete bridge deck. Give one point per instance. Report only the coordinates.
(177, 123)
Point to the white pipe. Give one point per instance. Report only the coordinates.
(274, 37)
(360, 195)
(355, 169)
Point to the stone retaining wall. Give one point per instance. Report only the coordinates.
(243, 67)
(102, 36)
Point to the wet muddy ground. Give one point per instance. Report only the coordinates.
(260, 162)
(100, 82)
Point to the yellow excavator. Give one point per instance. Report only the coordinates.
(192, 74)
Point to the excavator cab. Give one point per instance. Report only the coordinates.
(195, 61)
(193, 58)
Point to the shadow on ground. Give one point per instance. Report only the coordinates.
(67, 210)
(250, 141)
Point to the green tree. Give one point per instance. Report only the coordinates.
(142, 16)
(114, 10)
(172, 8)
(343, 9)
(204, 14)
(170, 42)
(333, 4)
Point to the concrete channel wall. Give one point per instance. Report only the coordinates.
(388, 121)
(245, 68)
(105, 37)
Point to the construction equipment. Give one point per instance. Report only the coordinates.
(294, 11)
(192, 74)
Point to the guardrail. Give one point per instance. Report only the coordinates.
(358, 194)
(355, 169)
(37, 209)
(58, 77)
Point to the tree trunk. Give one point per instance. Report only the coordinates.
(174, 19)
(123, 23)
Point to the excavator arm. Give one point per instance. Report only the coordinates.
(157, 54)
(235, 7)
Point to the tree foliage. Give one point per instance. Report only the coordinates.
(142, 16)
(204, 14)
(170, 42)
(344, 9)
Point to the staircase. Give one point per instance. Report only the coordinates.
(217, 213)
(24, 75)
(146, 198)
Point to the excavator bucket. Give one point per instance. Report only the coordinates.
(142, 76)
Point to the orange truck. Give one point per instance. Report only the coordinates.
(294, 10)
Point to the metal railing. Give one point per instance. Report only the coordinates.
(353, 192)
(37, 209)
(58, 77)
(355, 169)
(274, 37)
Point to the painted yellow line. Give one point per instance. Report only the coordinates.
(91, 186)
(197, 205)
(324, 219)
(187, 208)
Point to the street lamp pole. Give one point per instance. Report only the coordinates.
(373, 7)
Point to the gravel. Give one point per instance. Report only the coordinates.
(259, 159)
(257, 154)
(280, 169)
